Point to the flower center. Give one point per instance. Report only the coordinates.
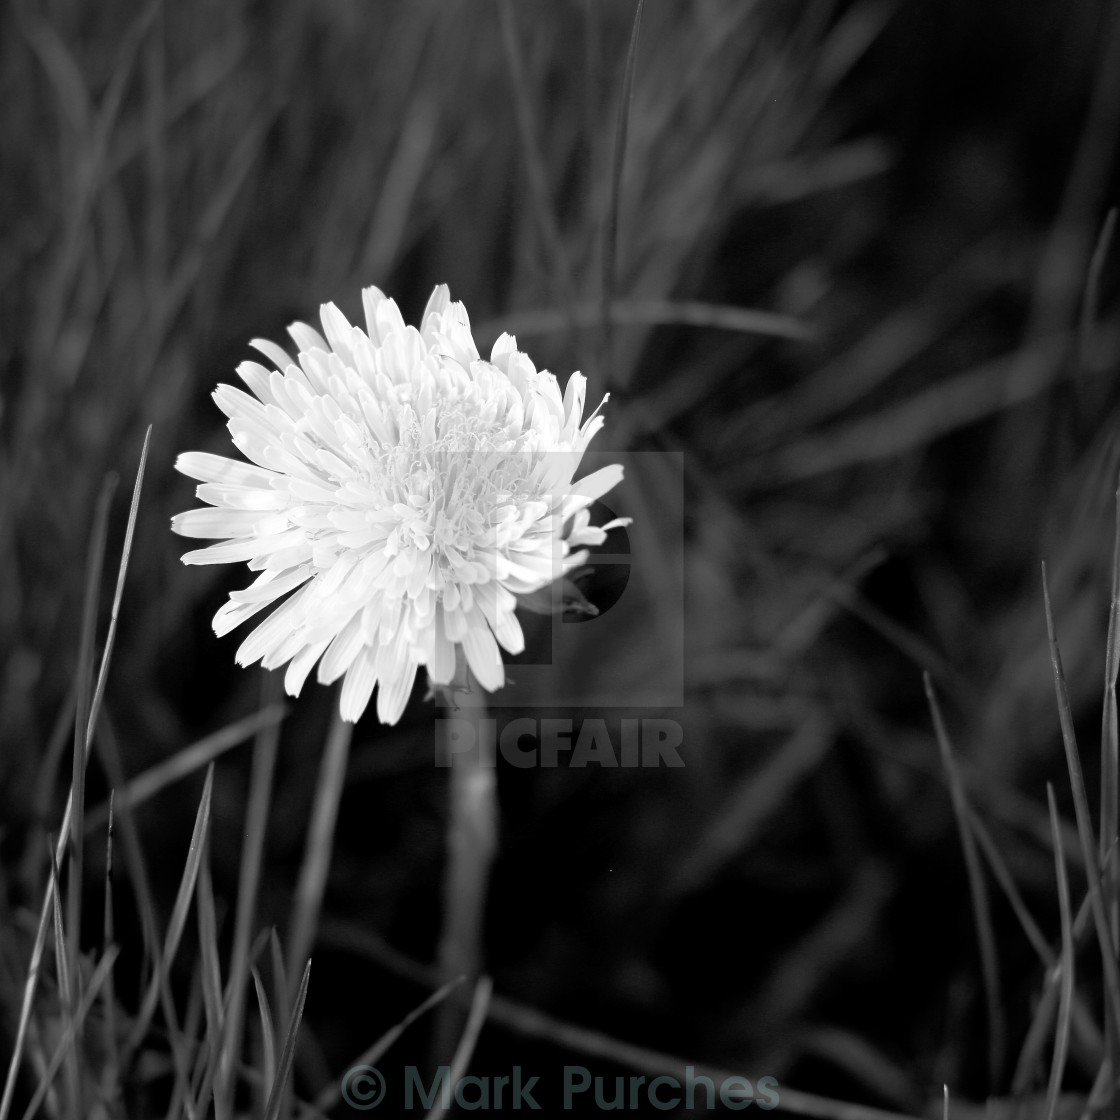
(456, 475)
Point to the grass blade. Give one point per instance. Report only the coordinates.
(67, 1042)
(1083, 1024)
(1031, 1054)
(320, 841)
(750, 804)
(178, 914)
(331, 1095)
(1065, 1005)
(1093, 286)
(210, 979)
(85, 716)
(109, 755)
(185, 762)
(110, 1075)
(480, 1006)
(69, 982)
(655, 313)
(1084, 827)
(535, 167)
(46, 781)
(1100, 1094)
(256, 823)
(989, 960)
(183, 1102)
(592, 84)
(34, 968)
(1110, 732)
(1007, 884)
(118, 593)
(532, 1023)
(279, 973)
(84, 679)
(272, 1110)
(268, 1029)
(610, 221)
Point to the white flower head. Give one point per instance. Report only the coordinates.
(402, 492)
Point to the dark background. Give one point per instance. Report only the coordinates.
(920, 184)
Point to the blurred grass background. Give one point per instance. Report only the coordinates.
(911, 192)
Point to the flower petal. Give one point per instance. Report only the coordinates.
(218, 522)
(341, 652)
(441, 668)
(338, 331)
(482, 653)
(275, 354)
(394, 690)
(301, 665)
(432, 319)
(204, 467)
(357, 688)
(596, 484)
(307, 338)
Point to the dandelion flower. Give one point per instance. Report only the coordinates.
(402, 492)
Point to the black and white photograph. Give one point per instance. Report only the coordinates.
(559, 557)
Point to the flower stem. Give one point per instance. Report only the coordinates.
(471, 842)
